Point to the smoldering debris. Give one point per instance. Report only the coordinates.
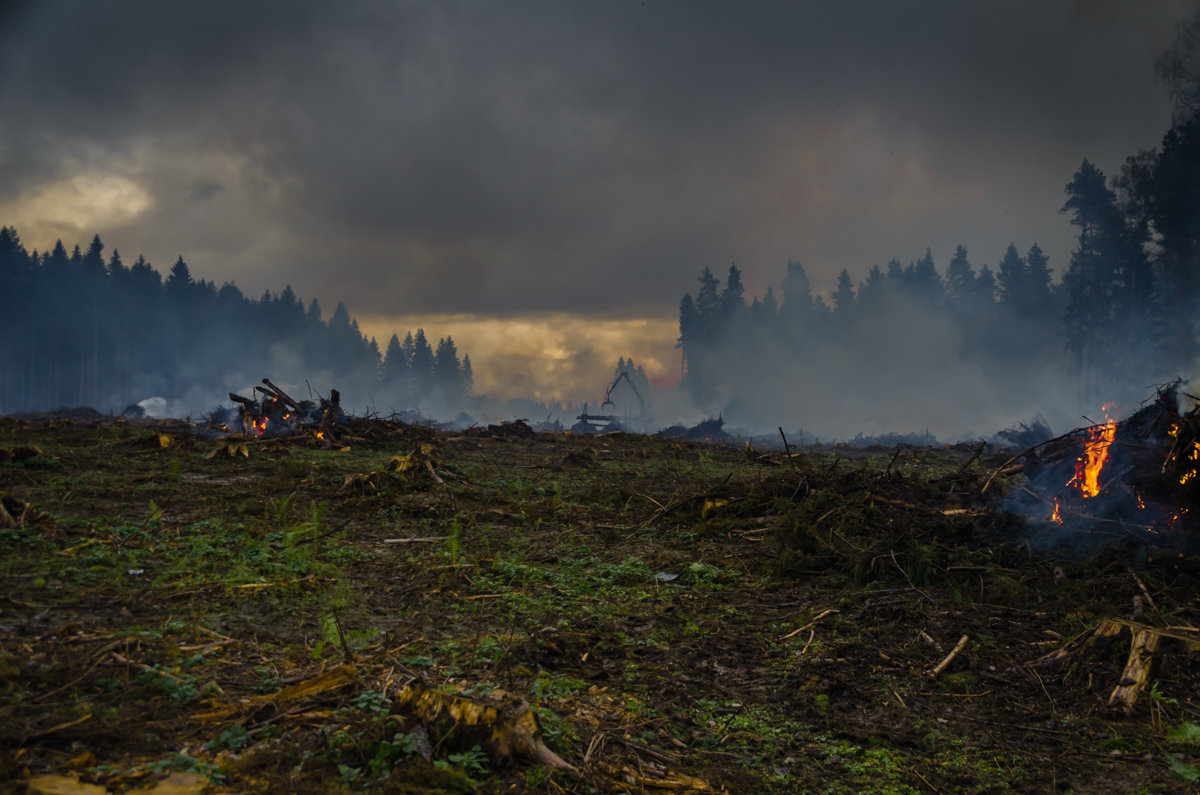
(1138, 477)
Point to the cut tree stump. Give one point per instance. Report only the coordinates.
(1146, 644)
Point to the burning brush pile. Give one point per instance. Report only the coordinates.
(272, 412)
(1138, 477)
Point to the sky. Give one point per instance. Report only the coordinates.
(544, 180)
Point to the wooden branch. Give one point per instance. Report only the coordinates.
(972, 459)
(413, 540)
(958, 647)
(831, 611)
(293, 405)
(787, 449)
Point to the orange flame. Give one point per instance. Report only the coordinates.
(1194, 458)
(1095, 454)
(1056, 517)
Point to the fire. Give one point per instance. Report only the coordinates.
(1194, 458)
(1095, 454)
(1056, 516)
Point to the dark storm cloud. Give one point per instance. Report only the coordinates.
(504, 157)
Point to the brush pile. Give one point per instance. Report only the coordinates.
(272, 412)
(1136, 476)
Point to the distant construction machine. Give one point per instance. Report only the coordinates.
(595, 423)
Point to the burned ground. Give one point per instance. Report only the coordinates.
(675, 615)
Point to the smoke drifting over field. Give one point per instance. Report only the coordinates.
(535, 161)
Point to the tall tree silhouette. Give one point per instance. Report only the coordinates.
(1091, 280)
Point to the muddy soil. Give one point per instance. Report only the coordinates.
(387, 614)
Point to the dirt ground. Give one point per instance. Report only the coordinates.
(425, 612)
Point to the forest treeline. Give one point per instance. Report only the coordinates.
(1125, 310)
(80, 329)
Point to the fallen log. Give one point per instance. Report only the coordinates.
(287, 400)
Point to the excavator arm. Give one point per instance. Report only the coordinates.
(608, 394)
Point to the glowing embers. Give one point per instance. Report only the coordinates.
(1095, 453)
(1056, 515)
(1193, 458)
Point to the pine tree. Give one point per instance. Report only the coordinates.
(690, 333)
(708, 308)
(1010, 276)
(445, 368)
(926, 283)
(985, 286)
(1038, 298)
(1175, 212)
(466, 377)
(843, 296)
(395, 369)
(1092, 280)
(960, 279)
(421, 367)
(796, 308)
(733, 303)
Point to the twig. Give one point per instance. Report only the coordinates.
(216, 644)
(972, 459)
(1022, 455)
(337, 623)
(958, 647)
(58, 728)
(327, 533)
(909, 579)
(1145, 592)
(420, 540)
(917, 773)
(595, 746)
(831, 611)
(899, 450)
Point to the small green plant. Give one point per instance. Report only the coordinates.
(388, 752)
(821, 702)
(349, 774)
(700, 573)
(277, 508)
(558, 734)
(1181, 769)
(453, 547)
(269, 681)
(1186, 733)
(232, 737)
(471, 761)
(372, 701)
(1158, 704)
(178, 688)
(548, 688)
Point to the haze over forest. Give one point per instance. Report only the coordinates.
(939, 216)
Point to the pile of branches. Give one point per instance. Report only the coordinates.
(709, 430)
(1147, 479)
(272, 412)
